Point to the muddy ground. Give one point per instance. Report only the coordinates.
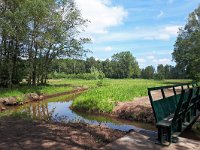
(140, 108)
(18, 134)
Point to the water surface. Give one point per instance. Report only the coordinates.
(58, 110)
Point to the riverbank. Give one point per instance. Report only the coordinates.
(32, 97)
(18, 134)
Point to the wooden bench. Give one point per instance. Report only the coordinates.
(175, 113)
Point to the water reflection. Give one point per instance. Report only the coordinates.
(39, 111)
(58, 110)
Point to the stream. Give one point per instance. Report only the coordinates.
(58, 110)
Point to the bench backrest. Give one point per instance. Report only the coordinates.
(168, 105)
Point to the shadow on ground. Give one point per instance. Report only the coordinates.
(23, 134)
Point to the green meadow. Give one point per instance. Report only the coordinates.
(101, 96)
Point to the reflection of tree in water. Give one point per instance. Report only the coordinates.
(40, 111)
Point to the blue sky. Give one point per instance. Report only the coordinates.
(147, 28)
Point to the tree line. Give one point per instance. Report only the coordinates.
(35, 32)
(121, 65)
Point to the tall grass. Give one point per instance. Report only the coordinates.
(21, 90)
(104, 98)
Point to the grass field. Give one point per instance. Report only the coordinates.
(104, 98)
(21, 90)
(98, 98)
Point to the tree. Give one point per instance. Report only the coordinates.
(161, 72)
(107, 68)
(148, 72)
(35, 32)
(187, 47)
(124, 65)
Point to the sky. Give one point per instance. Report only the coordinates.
(147, 28)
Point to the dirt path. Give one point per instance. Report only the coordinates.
(21, 134)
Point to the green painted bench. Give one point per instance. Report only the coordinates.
(177, 112)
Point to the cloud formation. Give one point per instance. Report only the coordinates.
(154, 33)
(108, 49)
(101, 14)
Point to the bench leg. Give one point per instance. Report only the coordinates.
(180, 122)
(194, 110)
(160, 134)
(169, 134)
(189, 116)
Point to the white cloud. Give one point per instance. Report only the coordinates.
(164, 33)
(151, 57)
(141, 60)
(108, 49)
(172, 30)
(163, 61)
(100, 59)
(101, 14)
(160, 14)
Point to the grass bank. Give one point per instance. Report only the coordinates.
(98, 98)
(104, 98)
(23, 89)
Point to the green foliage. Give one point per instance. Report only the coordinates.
(187, 47)
(148, 72)
(33, 33)
(21, 90)
(121, 65)
(105, 97)
(84, 76)
(96, 73)
(100, 82)
(124, 65)
(197, 77)
(159, 76)
(57, 75)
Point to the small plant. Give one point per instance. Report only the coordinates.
(100, 82)
(97, 73)
(19, 100)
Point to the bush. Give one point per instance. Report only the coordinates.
(94, 75)
(158, 77)
(97, 74)
(56, 75)
(197, 77)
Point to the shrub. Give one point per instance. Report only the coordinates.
(197, 77)
(94, 75)
(98, 74)
(158, 76)
(57, 75)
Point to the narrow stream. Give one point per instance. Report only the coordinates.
(58, 110)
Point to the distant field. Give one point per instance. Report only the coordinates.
(103, 99)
